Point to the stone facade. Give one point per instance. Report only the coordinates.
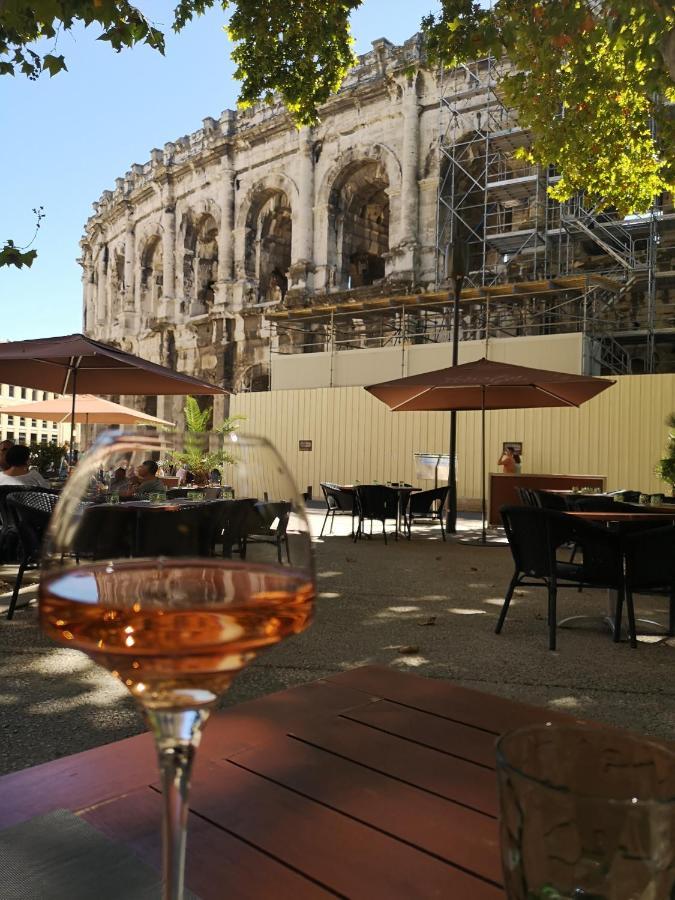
(183, 257)
(194, 255)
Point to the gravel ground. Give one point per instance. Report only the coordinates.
(424, 607)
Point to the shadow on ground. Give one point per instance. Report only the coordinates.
(423, 606)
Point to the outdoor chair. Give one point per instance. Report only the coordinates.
(650, 569)
(547, 500)
(338, 502)
(535, 535)
(236, 515)
(9, 537)
(177, 493)
(107, 532)
(30, 512)
(590, 503)
(427, 505)
(375, 501)
(184, 531)
(266, 523)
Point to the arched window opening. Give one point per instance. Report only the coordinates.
(152, 267)
(359, 222)
(268, 244)
(207, 261)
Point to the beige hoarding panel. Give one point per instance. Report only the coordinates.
(620, 434)
(561, 352)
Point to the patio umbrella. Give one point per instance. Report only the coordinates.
(485, 385)
(90, 411)
(75, 362)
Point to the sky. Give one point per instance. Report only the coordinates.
(66, 139)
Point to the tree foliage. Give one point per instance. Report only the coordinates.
(11, 255)
(586, 75)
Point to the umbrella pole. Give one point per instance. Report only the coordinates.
(482, 465)
(72, 418)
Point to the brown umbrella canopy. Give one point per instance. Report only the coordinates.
(487, 385)
(76, 363)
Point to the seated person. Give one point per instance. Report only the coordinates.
(4, 447)
(215, 477)
(17, 472)
(147, 481)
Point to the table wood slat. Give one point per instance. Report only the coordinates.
(430, 730)
(451, 701)
(459, 835)
(134, 819)
(76, 781)
(454, 779)
(336, 851)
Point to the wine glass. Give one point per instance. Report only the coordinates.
(175, 598)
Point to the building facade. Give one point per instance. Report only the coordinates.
(25, 430)
(251, 238)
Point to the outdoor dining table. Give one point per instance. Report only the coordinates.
(367, 784)
(651, 514)
(403, 491)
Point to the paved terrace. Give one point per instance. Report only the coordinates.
(424, 607)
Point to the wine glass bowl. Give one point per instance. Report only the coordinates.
(175, 597)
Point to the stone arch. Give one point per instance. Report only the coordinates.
(358, 225)
(151, 272)
(198, 241)
(206, 260)
(265, 219)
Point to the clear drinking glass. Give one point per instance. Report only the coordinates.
(586, 812)
(175, 600)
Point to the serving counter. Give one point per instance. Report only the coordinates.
(502, 488)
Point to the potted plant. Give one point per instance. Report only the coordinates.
(665, 468)
(196, 456)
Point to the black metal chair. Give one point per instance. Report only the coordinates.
(338, 502)
(107, 532)
(266, 523)
(9, 537)
(592, 503)
(427, 505)
(30, 512)
(650, 569)
(547, 500)
(375, 501)
(535, 535)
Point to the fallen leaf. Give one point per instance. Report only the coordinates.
(404, 651)
(430, 621)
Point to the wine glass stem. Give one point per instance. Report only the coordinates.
(177, 735)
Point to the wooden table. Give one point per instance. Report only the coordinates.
(608, 518)
(370, 784)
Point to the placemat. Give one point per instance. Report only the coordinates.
(61, 857)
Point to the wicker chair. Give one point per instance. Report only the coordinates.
(338, 503)
(30, 512)
(534, 536)
(427, 505)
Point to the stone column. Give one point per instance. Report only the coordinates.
(168, 242)
(101, 289)
(302, 239)
(409, 164)
(87, 292)
(226, 231)
(129, 265)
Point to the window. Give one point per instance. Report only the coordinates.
(10, 436)
(10, 420)
(33, 423)
(23, 393)
(43, 439)
(22, 437)
(22, 422)
(44, 395)
(35, 395)
(11, 389)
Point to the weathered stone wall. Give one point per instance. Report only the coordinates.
(183, 256)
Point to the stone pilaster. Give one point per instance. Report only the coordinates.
(403, 251)
(226, 230)
(129, 265)
(168, 305)
(302, 249)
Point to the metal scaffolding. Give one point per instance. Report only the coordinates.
(500, 206)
